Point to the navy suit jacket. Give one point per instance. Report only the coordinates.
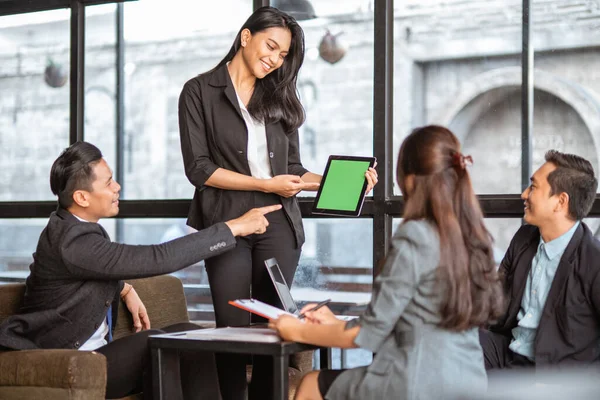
(569, 329)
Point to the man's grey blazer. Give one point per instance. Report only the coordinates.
(77, 274)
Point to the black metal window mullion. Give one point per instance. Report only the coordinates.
(526, 95)
(77, 54)
(11, 7)
(383, 125)
(120, 110)
(381, 208)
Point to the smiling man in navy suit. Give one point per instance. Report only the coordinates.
(552, 274)
(77, 278)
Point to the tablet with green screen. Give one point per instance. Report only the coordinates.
(343, 187)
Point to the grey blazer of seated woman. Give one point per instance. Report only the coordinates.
(414, 358)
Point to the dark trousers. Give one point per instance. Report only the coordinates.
(497, 355)
(129, 368)
(240, 274)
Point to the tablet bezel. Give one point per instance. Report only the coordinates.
(357, 210)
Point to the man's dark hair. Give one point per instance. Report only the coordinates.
(73, 170)
(573, 175)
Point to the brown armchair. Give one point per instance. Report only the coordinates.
(81, 375)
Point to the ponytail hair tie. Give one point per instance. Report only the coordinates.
(461, 161)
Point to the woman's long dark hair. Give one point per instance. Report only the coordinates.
(275, 97)
(442, 193)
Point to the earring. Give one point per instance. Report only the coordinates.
(243, 44)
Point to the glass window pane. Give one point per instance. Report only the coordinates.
(18, 241)
(458, 64)
(100, 79)
(336, 83)
(339, 116)
(501, 229)
(330, 266)
(34, 101)
(165, 47)
(337, 263)
(148, 231)
(566, 103)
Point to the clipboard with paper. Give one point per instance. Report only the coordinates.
(259, 308)
(283, 291)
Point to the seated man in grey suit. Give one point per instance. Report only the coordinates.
(551, 274)
(76, 278)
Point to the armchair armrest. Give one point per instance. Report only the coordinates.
(303, 361)
(52, 374)
(164, 299)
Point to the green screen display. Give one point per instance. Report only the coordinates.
(343, 185)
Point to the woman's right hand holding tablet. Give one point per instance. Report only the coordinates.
(286, 185)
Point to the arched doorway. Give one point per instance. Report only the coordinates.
(486, 115)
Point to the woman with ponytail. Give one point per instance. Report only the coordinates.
(438, 285)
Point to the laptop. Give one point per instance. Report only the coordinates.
(281, 286)
(283, 290)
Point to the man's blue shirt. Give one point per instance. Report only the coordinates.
(539, 281)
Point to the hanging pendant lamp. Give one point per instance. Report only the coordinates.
(299, 9)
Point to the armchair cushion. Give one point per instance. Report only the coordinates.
(57, 374)
(303, 361)
(11, 299)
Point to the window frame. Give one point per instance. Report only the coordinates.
(381, 208)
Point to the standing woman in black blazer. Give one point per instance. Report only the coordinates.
(239, 138)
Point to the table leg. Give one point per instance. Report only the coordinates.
(156, 372)
(280, 377)
(165, 373)
(325, 359)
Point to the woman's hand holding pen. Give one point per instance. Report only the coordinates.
(288, 185)
(287, 327)
(298, 330)
(323, 315)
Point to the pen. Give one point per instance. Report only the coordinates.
(315, 308)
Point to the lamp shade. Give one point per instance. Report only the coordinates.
(299, 9)
(55, 75)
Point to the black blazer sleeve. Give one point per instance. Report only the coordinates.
(505, 270)
(197, 160)
(506, 264)
(520, 241)
(294, 164)
(594, 293)
(88, 254)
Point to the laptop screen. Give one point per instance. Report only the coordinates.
(281, 286)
